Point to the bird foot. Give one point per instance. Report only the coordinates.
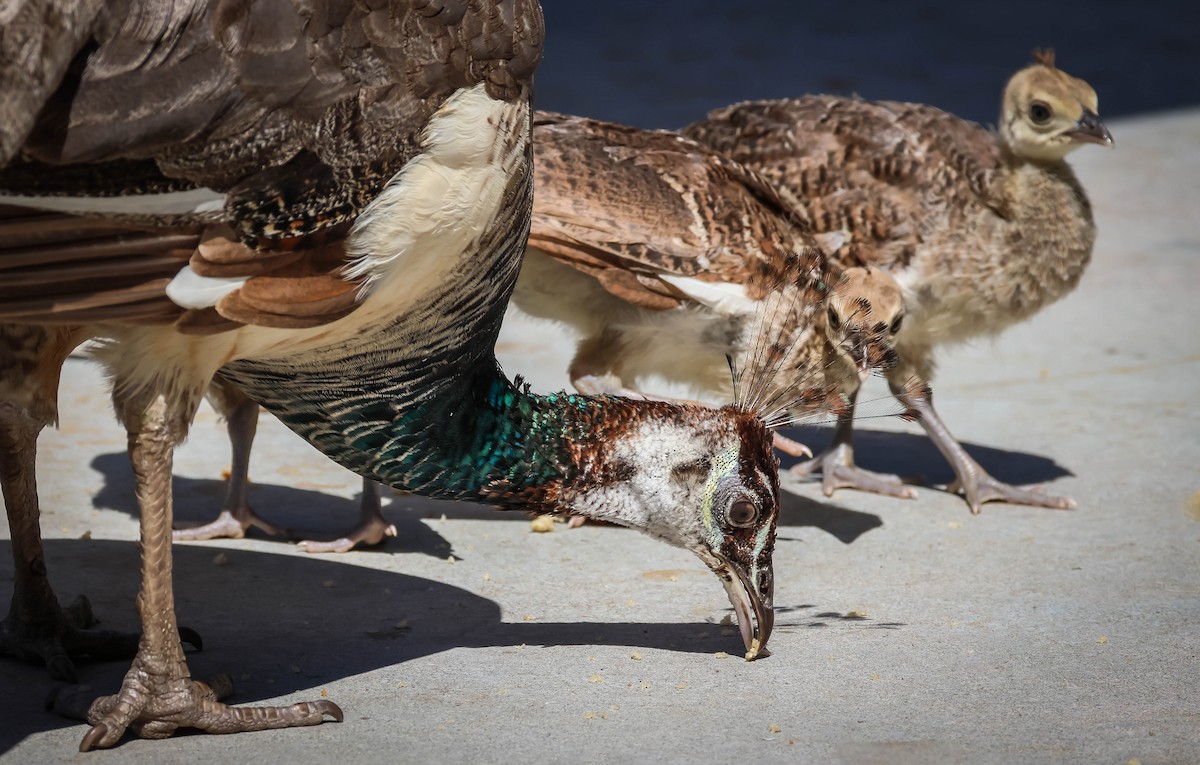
(838, 471)
(789, 447)
(57, 638)
(982, 487)
(369, 533)
(230, 524)
(155, 706)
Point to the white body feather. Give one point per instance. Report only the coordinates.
(407, 241)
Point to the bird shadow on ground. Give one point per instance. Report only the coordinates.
(808, 616)
(279, 623)
(913, 456)
(306, 513)
(320, 515)
(843, 523)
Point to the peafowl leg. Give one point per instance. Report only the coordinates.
(236, 516)
(372, 527)
(975, 483)
(838, 470)
(158, 694)
(36, 629)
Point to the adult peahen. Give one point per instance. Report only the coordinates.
(330, 200)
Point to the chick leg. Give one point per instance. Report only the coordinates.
(236, 516)
(372, 527)
(972, 480)
(838, 470)
(36, 629)
(158, 695)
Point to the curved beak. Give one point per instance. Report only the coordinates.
(752, 599)
(1089, 129)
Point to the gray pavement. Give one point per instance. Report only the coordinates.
(908, 631)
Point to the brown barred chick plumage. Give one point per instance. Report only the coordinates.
(667, 257)
(981, 230)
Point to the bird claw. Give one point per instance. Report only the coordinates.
(838, 471)
(154, 707)
(369, 534)
(791, 448)
(981, 487)
(230, 524)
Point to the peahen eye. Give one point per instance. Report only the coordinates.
(743, 513)
(896, 324)
(1040, 112)
(834, 324)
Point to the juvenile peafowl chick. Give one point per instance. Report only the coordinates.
(981, 229)
(331, 209)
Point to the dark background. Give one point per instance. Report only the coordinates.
(664, 64)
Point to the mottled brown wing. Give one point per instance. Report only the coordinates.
(626, 205)
(865, 175)
(298, 110)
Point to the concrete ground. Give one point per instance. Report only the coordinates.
(908, 631)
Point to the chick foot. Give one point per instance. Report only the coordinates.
(371, 530)
(153, 706)
(978, 486)
(838, 471)
(230, 524)
(56, 637)
(972, 481)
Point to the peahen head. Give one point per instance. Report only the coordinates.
(703, 479)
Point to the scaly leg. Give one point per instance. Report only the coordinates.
(372, 527)
(972, 480)
(838, 470)
(158, 695)
(36, 629)
(241, 421)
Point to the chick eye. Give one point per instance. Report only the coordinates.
(834, 324)
(743, 512)
(1040, 112)
(896, 324)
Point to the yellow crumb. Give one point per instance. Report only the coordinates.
(875, 677)
(324, 693)
(954, 525)
(487, 577)
(451, 560)
(542, 524)
(596, 679)
(635, 656)
(1102, 639)
(774, 728)
(680, 686)
(755, 647)
(858, 613)
(527, 618)
(721, 655)
(589, 715)
(225, 474)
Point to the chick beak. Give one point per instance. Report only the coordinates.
(862, 361)
(1089, 129)
(751, 602)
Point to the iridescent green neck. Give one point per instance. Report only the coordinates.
(472, 436)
